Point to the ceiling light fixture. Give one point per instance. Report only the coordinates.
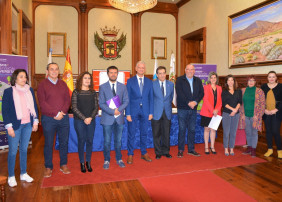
(133, 6)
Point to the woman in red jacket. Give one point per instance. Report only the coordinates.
(211, 107)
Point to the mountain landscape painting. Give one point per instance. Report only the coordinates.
(256, 36)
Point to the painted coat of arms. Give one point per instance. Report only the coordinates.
(110, 46)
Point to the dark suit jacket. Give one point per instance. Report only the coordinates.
(184, 94)
(161, 102)
(105, 93)
(135, 97)
(9, 111)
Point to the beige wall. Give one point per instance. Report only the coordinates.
(99, 18)
(26, 6)
(157, 25)
(213, 14)
(55, 19)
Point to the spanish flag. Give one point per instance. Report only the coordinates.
(67, 75)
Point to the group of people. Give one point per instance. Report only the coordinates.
(143, 102)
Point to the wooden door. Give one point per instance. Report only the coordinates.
(193, 49)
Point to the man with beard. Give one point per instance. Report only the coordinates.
(113, 99)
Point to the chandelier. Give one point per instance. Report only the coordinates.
(133, 6)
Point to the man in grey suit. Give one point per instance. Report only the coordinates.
(163, 91)
(112, 118)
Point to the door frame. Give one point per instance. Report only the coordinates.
(199, 34)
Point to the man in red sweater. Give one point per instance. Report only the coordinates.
(54, 101)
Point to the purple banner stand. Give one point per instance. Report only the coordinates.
(8, 64)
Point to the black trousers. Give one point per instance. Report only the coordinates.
(161, 135)
(272, 126)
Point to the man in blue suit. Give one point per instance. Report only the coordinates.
(112, 118)
(163, 91)
(140, 108)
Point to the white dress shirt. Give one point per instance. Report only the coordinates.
(164, 86)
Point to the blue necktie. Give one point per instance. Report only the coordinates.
(113, 90)
(141, 85)
(163, 88)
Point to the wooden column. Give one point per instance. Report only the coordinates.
(136, 40)
(5, 25)
(83, 38)
(21, 32)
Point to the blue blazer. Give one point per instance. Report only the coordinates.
(9, 111)
(135, 97)
(105, 93)
(161, 102)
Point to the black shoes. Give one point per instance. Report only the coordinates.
(213, 151)
(207, 151)
(193, 153)
(167, 156)
(88, 166)
(180, 154)
(82, 168)
(158, 156)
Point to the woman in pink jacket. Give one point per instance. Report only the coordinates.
(211, 107)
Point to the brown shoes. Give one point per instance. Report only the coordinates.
(146, 157)
(65, 169)
(47, 172)
(130, 159)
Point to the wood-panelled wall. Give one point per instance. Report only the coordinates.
(83, 9)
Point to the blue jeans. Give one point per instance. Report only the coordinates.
(22, 137)
(144, 124)
(108, 130)
(229, 125)
(50, 127)
(251, 133)
(85, 134)
(186, 119)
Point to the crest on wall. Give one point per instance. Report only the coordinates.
(109, 45)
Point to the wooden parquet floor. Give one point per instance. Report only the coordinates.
(261, 181)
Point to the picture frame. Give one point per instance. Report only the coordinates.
(57, 42)
(255, 35)
(159, 47)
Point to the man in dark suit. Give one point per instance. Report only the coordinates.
(140, 108)
(190, 91)
(163, 91)
(112, 118)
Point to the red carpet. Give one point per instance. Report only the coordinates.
(196, 186)
(140, 168)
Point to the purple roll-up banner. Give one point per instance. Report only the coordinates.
(115, 100)
(202, 71)
(8, 64)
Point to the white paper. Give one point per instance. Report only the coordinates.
(113, 106)
(215, 121)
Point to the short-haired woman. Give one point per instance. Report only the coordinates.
(231, 102)
(85, 108)
(251, 112)
(273, 113)
(212, 104)
(20, 119)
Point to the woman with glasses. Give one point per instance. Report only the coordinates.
(251, 113)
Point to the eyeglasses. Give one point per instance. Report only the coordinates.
(251, 80)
